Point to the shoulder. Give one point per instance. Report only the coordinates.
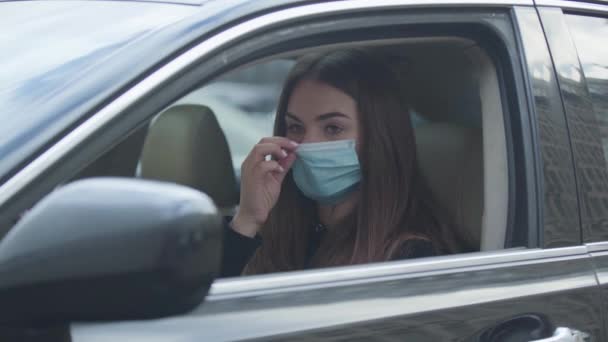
(415, 248)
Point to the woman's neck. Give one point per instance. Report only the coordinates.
(331, 215)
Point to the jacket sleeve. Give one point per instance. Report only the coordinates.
(237, 251)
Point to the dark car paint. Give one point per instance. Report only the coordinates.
(560, 211)
(83, 97)
(584, 129)
(590, 167)
(484, 294)
(58, 114)
(586, 120)
(56, 98)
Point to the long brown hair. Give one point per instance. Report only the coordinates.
(394, 205)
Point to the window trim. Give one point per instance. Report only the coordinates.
(597, 247)
(283, 281)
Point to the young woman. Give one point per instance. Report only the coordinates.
(342, 186)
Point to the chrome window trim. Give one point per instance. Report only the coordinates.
(595, 247)
(415, 304)
(572, 5)
(360, 273)
(279, 311)
(51, 156)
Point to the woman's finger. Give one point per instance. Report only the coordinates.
(285, 143)
(269, 166)
(286, 164)
(260, 151)
(288, 161)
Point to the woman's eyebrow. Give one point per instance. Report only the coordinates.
(291, 116)
(331, 115)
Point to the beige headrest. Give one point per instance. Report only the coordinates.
(186, 145)
(441, 82)
(450, 158)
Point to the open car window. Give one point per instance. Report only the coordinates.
(456, 110)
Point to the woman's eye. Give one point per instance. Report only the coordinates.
(294, 129)
(333, 130)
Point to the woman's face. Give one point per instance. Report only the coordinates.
(318, 112)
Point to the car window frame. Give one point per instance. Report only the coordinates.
(210, 58)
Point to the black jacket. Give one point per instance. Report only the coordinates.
(238, 249)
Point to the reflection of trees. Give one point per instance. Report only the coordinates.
(587, 110)
(588, 131)
(560, 205)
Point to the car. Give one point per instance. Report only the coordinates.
(124, 124)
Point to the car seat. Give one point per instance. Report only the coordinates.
(462, 146)
(186, 145)
(450, 159)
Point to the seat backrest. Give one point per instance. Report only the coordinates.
(450, 158)
(186, 145)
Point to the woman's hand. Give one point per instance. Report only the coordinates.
(261, 181)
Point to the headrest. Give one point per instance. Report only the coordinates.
(450, 159)
(442, 84)
(186, 145)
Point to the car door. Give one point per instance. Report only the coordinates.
(574, 31)
(540, 281)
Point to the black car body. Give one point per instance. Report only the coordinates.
(540, 74)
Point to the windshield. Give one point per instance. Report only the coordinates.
(50, 46)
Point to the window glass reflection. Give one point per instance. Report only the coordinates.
(589, 34)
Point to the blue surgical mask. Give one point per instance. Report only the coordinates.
(327, 172)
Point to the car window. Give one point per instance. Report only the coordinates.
(244, 102)
(455, 105)
(456, 111)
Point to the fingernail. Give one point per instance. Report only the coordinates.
(281, 168)
(293, 143)
(283, 153)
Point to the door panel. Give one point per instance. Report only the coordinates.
(573, 34)
(433, 299)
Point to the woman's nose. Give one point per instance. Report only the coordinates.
(311, 137)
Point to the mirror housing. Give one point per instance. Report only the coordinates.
(110, 249)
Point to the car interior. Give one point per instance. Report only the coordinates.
(460, 135)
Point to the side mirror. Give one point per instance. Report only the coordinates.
(110, 249)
